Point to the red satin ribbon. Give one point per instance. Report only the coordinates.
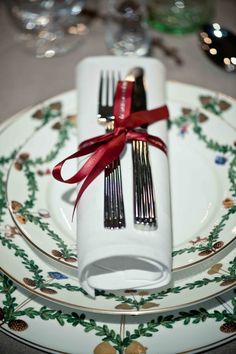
(108, 147)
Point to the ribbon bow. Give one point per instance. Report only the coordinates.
(108, 147)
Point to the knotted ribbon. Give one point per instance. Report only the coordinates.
(108, 147)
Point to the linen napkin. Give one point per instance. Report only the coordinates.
(124, 258)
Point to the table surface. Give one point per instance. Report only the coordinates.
(26, 81)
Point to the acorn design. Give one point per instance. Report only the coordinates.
(15, 206)
(48, 291)
(143, 293)
(228, 327)
(130, 291)
(56, 126)
(204, 253)
(186, 111)
(104, 348)
(18, 166)
(21, 218)
(224, 105)
(215, 268)
(205, 99)
(56, 253)
(24, 156)
(70, 259)
(202, 118)
(56, 106)
(228, 282)
(123, 307)
(228, 203)
(72, 118)
(218, 245)
(149, 305)
(135, 348)
(18, 325)
(38, 114)
(29, 282)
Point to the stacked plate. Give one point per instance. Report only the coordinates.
(38, 245)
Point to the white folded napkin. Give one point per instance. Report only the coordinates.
(127, 258)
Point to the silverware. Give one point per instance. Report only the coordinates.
(114, 214)
(144, 199)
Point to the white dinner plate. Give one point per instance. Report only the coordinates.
(56, 329)
(202, 161)
(207, 247)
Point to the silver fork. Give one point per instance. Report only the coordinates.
(114, 215)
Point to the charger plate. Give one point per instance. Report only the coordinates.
(43, 134)
(56, 329)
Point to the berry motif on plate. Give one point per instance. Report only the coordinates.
(57, 275)
(11, 231)
(220, 160)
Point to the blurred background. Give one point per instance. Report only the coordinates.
(26, 80)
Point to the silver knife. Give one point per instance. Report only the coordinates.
(144, 196)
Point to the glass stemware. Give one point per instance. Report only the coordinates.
(48, 27)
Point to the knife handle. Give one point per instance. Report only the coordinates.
(144, 197)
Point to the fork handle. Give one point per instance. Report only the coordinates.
(114, 214)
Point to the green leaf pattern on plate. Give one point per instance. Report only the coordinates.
(139, 300)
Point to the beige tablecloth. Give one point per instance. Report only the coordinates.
(26, 81)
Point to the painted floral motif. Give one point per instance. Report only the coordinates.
(183, 130)
(11, 231)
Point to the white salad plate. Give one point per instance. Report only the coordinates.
(203, 177)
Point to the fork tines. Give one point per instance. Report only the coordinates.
(114, 215)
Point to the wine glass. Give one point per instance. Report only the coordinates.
(47, 27)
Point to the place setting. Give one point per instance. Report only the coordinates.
(118, 196)
(132, 264)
